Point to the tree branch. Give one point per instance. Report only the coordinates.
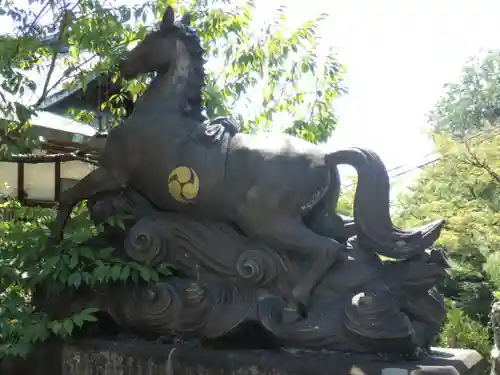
(60, 40)
(69, 71)
(38, 17)
(474, 161)
(472, 192)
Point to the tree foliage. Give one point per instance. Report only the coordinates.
(473, 103)
(460, 331)
(69, 43)
(24, 267)
(345, 205)
(462, 187)
(281, 69)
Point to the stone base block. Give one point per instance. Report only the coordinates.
(100, 357)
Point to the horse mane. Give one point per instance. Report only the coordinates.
(196, 82)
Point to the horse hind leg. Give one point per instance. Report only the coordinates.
(288, 234)
(327, 223)
(323, 218)
(97, 181)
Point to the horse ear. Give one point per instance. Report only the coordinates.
(186, 19)
(168, 19)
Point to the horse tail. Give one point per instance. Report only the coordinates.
(372, 210)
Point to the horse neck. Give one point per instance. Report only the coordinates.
(168, 93)
(161, 96)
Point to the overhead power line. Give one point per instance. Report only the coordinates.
(491, 133)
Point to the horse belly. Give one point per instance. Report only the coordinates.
(303, 189)
(289, 178)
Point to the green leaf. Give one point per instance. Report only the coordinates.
(145, 273)
(102, 273)
(75, 279)
(56, 327)
(78, 320)
(68, 326)
(104, 253)
(52, 261)
(116, 272)
(125, 273)
(164, 269)
(87, 314)
(73, 261)
(86, 252)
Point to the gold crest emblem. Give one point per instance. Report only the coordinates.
(183, 184)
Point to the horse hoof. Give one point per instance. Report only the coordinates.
(294, 313)
(300, 299)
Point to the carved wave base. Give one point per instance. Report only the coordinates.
(228, 285)
(180, 308)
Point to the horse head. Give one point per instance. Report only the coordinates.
(173, 50)
(159, 49)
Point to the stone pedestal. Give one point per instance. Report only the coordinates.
(98, 357)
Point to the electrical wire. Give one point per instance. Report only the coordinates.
(492, 133)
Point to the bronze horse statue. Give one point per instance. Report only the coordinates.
(278, 189)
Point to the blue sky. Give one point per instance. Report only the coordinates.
(398, 56)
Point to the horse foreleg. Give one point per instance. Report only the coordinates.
(98, 181)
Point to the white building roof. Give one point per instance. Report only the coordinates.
(43, 118)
